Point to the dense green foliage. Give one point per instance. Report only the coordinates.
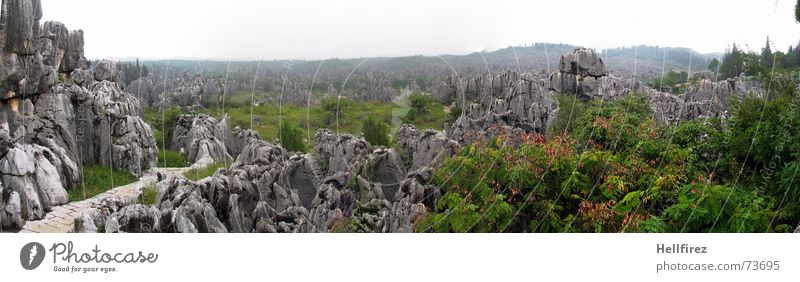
(737, 61)
(613, 168)
(376, 132)
(291, 137)
(98, 179)
(797, 11)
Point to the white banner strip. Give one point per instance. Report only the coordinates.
(401, 257)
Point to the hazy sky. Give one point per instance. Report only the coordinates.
(304, 29)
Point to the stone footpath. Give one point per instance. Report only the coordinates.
(61, 218)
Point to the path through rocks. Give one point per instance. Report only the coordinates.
(61, 218)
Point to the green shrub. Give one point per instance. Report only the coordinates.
(292, 138)
(148, 196)
(376, 132)
(570, 108)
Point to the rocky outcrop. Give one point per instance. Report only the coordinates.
(184, 210)
(201, 139)
(385, 168)
(55, 116)
(583, 62)
(338, 152)
(703, 99)
(426, 148)
(61, 48)
(509, 99)
(268, 189)
(27, 170)
(134, 219)
(109, 127)
(144, 89)
(520, 103)
(239, 139)
(93, 219)
(10, 210)
(105, 70)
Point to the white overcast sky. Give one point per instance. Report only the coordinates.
(305, 29)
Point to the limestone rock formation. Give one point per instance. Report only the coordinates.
(268, 189)
(583, 62)
(134, 219)
(55, 116)
(105, 70)
(109, 127)
(239, 139)
(10, 210)
(339, 152)
(27, 170)
(201, 139)
(424, 148)
(385, 168)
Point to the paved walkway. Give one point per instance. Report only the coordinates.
(62, 218)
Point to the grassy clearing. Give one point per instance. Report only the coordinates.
(351, 116)
(197, 174)
(424, 112)
(98, 179)
(162, 132)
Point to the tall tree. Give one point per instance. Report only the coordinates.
(766, 56)
(797, 11)
(713, 65)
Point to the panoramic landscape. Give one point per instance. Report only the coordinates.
(535, 137)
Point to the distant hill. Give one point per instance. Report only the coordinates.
(644, 61)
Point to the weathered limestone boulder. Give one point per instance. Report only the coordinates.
(184, 208)
(144, 89)
(239, 139)
(583, 62)
(109, 127)
(385, 168)
(667, 108)
(10, 210)
(415, 189)
(704, 99)
(61, 48)
(196, 216)
(300, 175)
(201, 139)
(93, 219)
(26, 170)
(135, 218)
(338, 152)
(21, 22)
(105, 70)
(424, 148)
